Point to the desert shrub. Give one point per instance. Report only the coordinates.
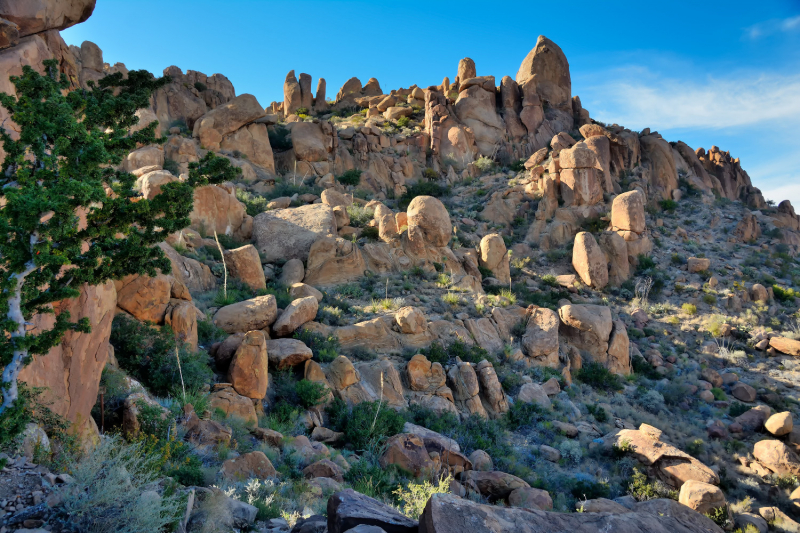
(597, 412)
(642, 490)
(719, 394)
(668, 205)
(208, 333)
(623, 448)
(149, 355)
(200, 86)
(280, 292)
(422, 188)
(586, 489)
(652, 401)
(737, 408)
(350, 177)
(310, 392)
(253, 203)
(415, 496)
(549, 280)
(366, 423)
(280, 137)
(571, 451)
(719, 515)
(28, 408)
(403, 122)
(689, 309)
(108, 489)
(641, 366)
(281, 417)
(439, 422)
(517, 166)
(695, 448)
(301, 111)
(598, 376)
(710, 299)
(370, 233)
(485, 272)
(171, 166)
(368, 477)
(784, 295)
(521, 414)
(359, 216)
(435, 353)
(430, 174)
(484, 164)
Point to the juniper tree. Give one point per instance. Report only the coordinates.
(68, 217)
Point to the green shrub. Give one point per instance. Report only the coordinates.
(668, 205)
(253, 203)
(189, 474)
(435, 353)
(280, 137)
(359, 216)
(784, 295)
(301, 111)
(430, 174)
(282, 417)
(737, 409)
(414, 497)
(325, 349)
(310, 393)
(200, 86)
(599, 377)
(403, 122)
(645, 262)
(642, 490)
(171, 166)
(585, 489)
(719, 394)
(370, 233)
(281, 294)
(719, 515)
(148, 354)
(517, 166)
(695, 448)
(597, 412)
(350, 177)
(522, 414)
(208, 333)
(689, 309)
(366, 424)
(422, 188)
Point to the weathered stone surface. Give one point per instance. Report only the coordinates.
(324, 468)
(776, 456)
(780, 424)
(494, 485)
(589, 261)
(530, 498)
(248, 370)
(289, 233)
(256, 313)
(785, 345)
(295, 315)
(702, 497)
(619, 356)
(588, 327)
(301, 290)
(217, 209)
(227, 118)
(743, 392)
(697, 264)
(36, 16)
(534, 393)
(247, 466)
(348, 509)
(192, 273)
(540, 340)
(145, 298)
(286, 353)
(627, 212)
(251, 142)
(494, 256)
(411, 320)
(428, 219)
(547, 70)
(754, 419)
(233, 404)
(408, 452)
(446, 513)
(423, 375)
(245, 264)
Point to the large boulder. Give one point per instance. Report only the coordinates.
(627, 212)
(310, 142)
(252, 142)
(247, 466)
(244, 264)
(37, 16)
(410, 320)
(256, 313)
(589, 261)
(295, 315)
(143, 297)
(428, 218)
(424, 376)
(587, 327)
(493, 485)
(408, 452)
(248, 371)
(217, 209)
(193, 274)
(547, 70)
(447, 513)
(657, 155)
(540, 340)
(785, 345)
(348, 509)
(287, 353)
(69, 373)
(494, 256)
(777, 456)
(290, 233)
(702, 497)
(227, 118)
(233, 404)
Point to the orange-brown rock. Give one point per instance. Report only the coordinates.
(247, 466)
(256, 313)
(286, 353)
(248, 370)
(627, 212)
(423, 375)
(181, 316)
(410, 320)
(295, 315)
(408, 452)
(494, 485)
(145, 298)
(785, 345)
(324, 468)
(233, 404)
(777, 456)
(245, 264)
(589, 261)
(217, 209)
(429, 220)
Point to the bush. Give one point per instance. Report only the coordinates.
(106, 494)
(597, 412)
(350, 177)
(325, 349)
(522, 414)
(310, 392)
(200, 86)
(280, 138)
(719, 394)
(370, 233)
(415, 496)
(689, 309)
(641, 490)
(484, 164)
(208, 333)
(366, 424)
(589, 490)
(301, 111)
(737, 409)
(517, 166)
(253, 204)
(171, 166)
(148, 355)
(668, 205)
(430, 174)
(422, 188)
(435, 353)
(403, 122)
(598, 376)
(784, 295)
(359, 216)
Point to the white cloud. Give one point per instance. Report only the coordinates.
(637, 99)
(769, 27)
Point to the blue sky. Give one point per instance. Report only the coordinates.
(722, 73)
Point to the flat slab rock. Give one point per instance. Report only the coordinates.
(348, 509)
(446, 513)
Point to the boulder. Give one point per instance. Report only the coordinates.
(577, 156)
(248, 370)
(145, 298)
(289, 233)
(494, 256)
(546, 69)
(408, 452)
(217, 209)
(580, 187)
(423, 375)
(785, 345)
(324, 468)
(743, 392)
(493, 485)
(37, 16)
(295, 315)
(342, 373)
(411, 320)
(627, 212)
(481, 461)
(206, 431)
(310, 142)
(193, 274)
(292, 272)
(244, 264)
(619, 356)
(256, 313)
(589, 261)
(251, 142)
(305, 450)
(447, 513)
(287, 353)
(530, 498)
(778, 457)
(292, 95)
(301, 290)
(702, 497)
(540, 340)
(150, 183)
(227, 118)
(588, 328)
(348, 509)
(233, 404)
(428, 219)
(696, 264)
(491, 390)
(754, 419)
(534, 393)
(181, 316)
(779, 424)
(247, 466)
(759, 294)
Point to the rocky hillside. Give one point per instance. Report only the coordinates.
(464, 307)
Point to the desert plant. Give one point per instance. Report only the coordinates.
(57, 171)
(415, 496)
(350, 177)
(111, 492)
(689, 309)
(598, 376)
(310, 392)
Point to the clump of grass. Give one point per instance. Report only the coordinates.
(598, 376)
(350, 177)
(689, 309)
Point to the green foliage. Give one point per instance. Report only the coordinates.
(785, 295)
(696, 447)
(325, 349)
(350, 177)
(719, 515)
(359, 216)
(282, 417)
(253, 203)
(589, 490)
(719, 394)
(642, 490)
(208, 333)
(366, 424)
(430, 174)
(484, 164)
(436, 353)
(623, 448)
(422, 188)
(549, 280)
(737, 409)
(485, 272)
(645, 262)
(62, 162)
(403, 122)
(280, 137)
(469, 353)
(644, 368)
(200, 86)
(599, 377)
(689, 309)
(301, 111)
(594, 225)
(668, 205)
(522, 414)
(597, 412)
(310, 393)
(370, 233)
(414, 497)
(171, 166)
(517, 166)
(148, 355)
